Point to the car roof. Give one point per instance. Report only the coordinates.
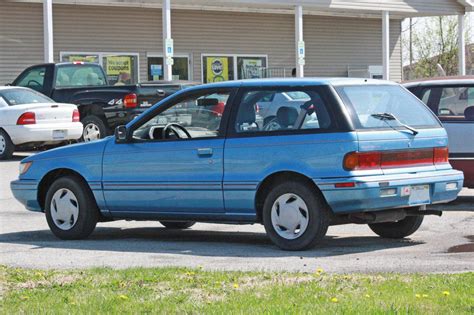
(296, 82)
(439, 81)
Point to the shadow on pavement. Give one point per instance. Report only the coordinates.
(199, 242)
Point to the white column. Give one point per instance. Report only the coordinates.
(48, 30)
(461, 46)
(386, 45)
(298, 39)
(167, 68)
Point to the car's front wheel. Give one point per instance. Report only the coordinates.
(178, 225)
(71, 211)
(399, 229)
(295, 216)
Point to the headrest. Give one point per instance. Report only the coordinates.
(246, 114)
(469, 113)
(287, 116)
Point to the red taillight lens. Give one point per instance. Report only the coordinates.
(441, 155)
(130, 100)
(362, 161)
(76, 117)
(407, 158)
(28, 118)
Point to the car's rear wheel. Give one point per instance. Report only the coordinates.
(178, 225)
(71, 211)
(399, 229)
(295, 216)
(94, 128)
(6, 146)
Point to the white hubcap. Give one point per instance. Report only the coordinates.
(64, 209)
(91, 132)
(290, 216)
(3, 144)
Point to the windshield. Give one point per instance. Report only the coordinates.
(23, 96)
(80, 75)
(367, 101)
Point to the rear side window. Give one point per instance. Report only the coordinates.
(33, 79)
(456, 102)
(80, 75)
(275, 110)
(366, 101)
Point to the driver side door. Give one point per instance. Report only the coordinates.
(152, 174)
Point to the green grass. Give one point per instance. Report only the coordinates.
(174, 290)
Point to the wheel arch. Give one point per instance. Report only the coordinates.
(49, 179)
(273, 179)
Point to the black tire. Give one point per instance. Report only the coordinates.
(91, 121)
(9, 146)
(178, 225)
(399, 229)
(318, 212)
(88, 213)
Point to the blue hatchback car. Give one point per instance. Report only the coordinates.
(355, 151)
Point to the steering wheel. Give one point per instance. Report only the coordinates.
(35, 83)
(173, 127)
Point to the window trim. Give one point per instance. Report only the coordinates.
(178, 98)
(234, 58)
(337, 126)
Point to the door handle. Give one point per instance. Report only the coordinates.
(204, 151)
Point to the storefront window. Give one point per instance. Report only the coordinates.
(251, 67)
(217, 68)
(121, 69)
(80, 57)
(180, 68)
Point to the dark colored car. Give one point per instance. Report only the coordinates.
(452, 100)
(102, 106)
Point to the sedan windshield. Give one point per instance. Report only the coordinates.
(367, 102)
(23, 96)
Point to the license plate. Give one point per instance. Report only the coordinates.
(418, 194)
(59, 134)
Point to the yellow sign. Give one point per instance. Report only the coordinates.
(118, 64)
(217, 69)
(83, 58)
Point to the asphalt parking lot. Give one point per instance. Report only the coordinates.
(441, 245)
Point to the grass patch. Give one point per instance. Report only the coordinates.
(178, 290)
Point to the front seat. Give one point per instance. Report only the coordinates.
(469, 113)
(286, 117)
(246, 117)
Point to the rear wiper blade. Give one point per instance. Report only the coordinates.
(390, 116)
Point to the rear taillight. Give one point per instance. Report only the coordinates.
(130, 100)
(393, 159)
(76, 117)
(441, 155)
(28, 118)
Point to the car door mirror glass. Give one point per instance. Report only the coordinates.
(121, 134)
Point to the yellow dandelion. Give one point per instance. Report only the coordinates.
(38, 274)
(24, 297)
(236, 285)
(425, 295)
(417, 296)
(446, 293)
(367, 295)
(334, 300)
(123, 297)
(319, 270)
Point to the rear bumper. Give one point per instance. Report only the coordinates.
(370, 192)
(44, 133)
(25, 191)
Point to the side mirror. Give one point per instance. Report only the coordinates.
(121, 134)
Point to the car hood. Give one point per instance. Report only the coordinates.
(73, 150)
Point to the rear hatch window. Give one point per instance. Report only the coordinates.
(367, 102)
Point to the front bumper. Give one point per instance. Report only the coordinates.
(369, 193)
(45, 132)
(26, 192)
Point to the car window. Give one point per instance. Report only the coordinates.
(80, 75)
(456, 102)
(366, 100)
(197, 116)
(3, 103)
(21, 96)
(425, 95)
(33, 79)
(255, 114)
